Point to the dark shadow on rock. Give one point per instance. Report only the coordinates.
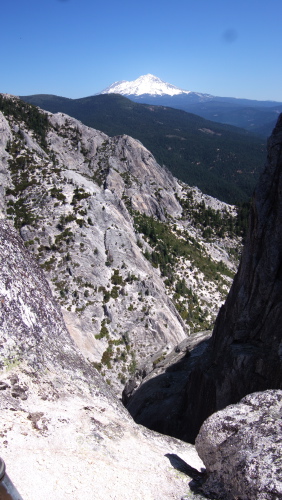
(158, 402)
(197, 477)
(182, 466)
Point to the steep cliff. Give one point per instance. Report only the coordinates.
(246, 347)
(245, 352)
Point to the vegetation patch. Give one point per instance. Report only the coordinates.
(58, 194)
(168, 247)
(21, 212)
(104, 332)
(33, 118)
(78, 195)
(215, 223)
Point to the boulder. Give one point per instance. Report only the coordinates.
(241, 449)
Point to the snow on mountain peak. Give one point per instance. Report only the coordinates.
(146, 84)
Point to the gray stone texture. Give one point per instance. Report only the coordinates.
(241, 447)
(79, 196)
(63, 433)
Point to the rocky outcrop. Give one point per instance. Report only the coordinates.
(241, 449)
(244, 354)
(63, 434)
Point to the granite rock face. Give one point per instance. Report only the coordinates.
(241, 447)
(63, 433)
(32, 330)
(95, 211)
(244, 354)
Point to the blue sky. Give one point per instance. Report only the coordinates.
(76, 48)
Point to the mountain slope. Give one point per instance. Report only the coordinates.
(222, 161)
(150, 85)
(136, 259)
(253, 116)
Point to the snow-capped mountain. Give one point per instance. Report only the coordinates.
(146, 84)
(257, 116)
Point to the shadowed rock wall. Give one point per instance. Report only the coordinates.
(245, 351)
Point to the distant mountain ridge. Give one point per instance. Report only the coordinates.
(154, 86)
(257, 116)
